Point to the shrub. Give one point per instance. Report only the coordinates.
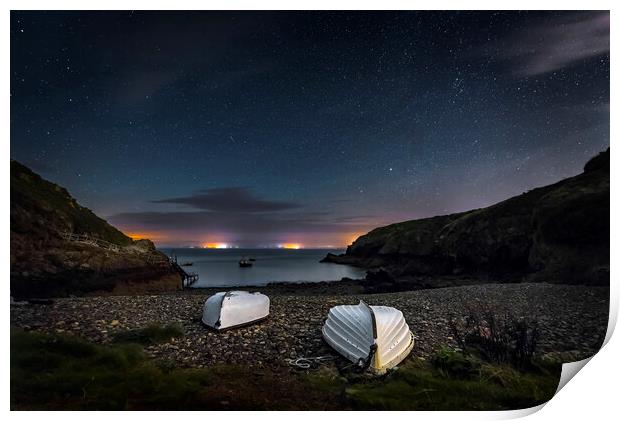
(454, 363)
(498, 339)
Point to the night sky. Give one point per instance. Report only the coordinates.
(263, 128)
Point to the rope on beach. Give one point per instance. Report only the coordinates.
(310, 362)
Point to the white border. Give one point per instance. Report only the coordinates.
(592, 394)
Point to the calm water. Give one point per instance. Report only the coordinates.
(217, 267)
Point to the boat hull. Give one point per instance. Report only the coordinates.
(376, 337)
(226, 310)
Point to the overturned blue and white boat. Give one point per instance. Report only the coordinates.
(376, 337)
(226, 310)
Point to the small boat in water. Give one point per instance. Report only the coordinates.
(245, 262)
(225, 310)
(187, 264)
(376, 337)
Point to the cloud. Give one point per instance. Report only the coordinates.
(230, 199)
(228, 222)
(237, 215)
(544, 48)
(245, 228)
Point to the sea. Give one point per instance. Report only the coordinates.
(220, 267)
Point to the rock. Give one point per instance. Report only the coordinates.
(557, 233)
(46, 264)
(563, 313)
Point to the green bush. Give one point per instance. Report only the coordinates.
(455, 364)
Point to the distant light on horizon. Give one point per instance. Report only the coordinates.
(136, 235)
(275, 149)
(152, 236)
(291, 246)
(216, 246)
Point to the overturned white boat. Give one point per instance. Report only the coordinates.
(376, 337)
(225, 310)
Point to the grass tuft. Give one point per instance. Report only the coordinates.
(152, 334)
(418, 386)
(455, 364)
(57, 372)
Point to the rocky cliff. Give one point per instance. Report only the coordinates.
(45, 262)
(557, 233)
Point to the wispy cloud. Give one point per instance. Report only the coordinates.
(248, 229)
(239, 215)
(234, 222)
(543, 48)
(230, 199)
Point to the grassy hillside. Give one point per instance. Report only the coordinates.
(44, 264)
(558, 232)
(42, 209)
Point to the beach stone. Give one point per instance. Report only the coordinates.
(572, 320)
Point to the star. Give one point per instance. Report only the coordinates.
(453, 112)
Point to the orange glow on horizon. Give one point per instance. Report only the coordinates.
(215, 246)
(352, 237)
(144, 236)
(172, 239)
(292, 246)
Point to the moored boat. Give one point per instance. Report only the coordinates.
(245, 262)
(376, 337)
(225, 310)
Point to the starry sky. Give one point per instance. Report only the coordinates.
(264, 128)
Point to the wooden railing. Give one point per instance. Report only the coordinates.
(91, 240)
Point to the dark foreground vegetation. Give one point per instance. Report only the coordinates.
(62, 372)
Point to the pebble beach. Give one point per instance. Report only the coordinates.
(572, 320)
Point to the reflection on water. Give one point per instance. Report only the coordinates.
(221, 267)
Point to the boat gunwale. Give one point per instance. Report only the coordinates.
(244, 324)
